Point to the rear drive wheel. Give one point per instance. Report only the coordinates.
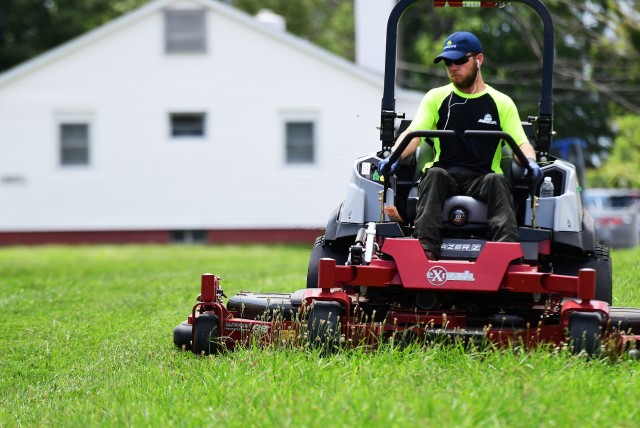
(324, 327)
(322, 250)
(206, 336)
(585, 333)
(600, 261)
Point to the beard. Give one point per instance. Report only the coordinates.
(468, 81)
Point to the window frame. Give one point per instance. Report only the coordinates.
(74, 119)
(177, 41)
(175, 114)
(300, 117)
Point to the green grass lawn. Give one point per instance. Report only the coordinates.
(86, 340)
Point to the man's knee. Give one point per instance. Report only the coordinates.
(436, 173)
(434, 177)
(497, 181)
(494, 186)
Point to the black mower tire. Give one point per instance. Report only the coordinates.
(182, 335)
(585, 333)
(600, 261)
(324, 327)
(322, 250)
(206, 334)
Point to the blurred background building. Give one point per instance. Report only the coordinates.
(187, 120)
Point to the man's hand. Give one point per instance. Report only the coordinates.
(384, 163)
(533, 173)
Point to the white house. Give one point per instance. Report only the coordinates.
(182, 119)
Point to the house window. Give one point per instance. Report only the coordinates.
(300, 142)
(187, 124)
(185, 31)
(74, 144)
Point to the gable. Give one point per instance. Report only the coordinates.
(136, 17)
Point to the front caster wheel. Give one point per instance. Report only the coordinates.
(585, 333)
(206, 338)
(323, 326)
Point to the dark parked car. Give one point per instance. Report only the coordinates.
(617, 215)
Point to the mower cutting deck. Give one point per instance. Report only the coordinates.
(369, 280)
(400, 293)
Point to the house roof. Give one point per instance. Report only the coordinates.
(223, 9)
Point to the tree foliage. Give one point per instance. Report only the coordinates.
(328, 23)
(621, 168)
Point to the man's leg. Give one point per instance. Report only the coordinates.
(434, 188)
(494, 190)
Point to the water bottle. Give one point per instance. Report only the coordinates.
(546, 189)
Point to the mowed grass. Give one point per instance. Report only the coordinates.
(86, 340)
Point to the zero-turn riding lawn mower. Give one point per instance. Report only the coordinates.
(369, 280)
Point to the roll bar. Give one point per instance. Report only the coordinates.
(544, 120)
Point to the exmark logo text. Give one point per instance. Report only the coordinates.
(438, 276)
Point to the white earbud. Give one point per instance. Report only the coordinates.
(478, 62)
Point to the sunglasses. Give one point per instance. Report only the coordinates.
(461, 61)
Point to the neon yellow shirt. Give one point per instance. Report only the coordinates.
(448, 108)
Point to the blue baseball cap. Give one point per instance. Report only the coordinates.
(457, 45)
